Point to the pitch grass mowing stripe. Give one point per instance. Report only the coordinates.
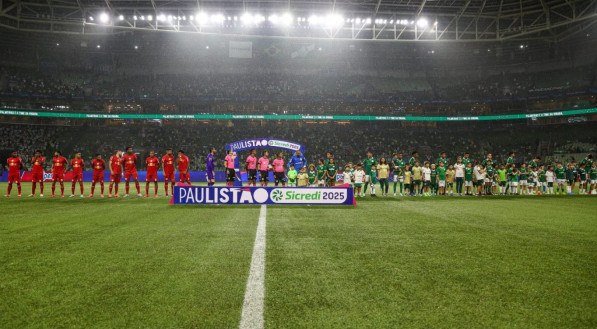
(252, 313)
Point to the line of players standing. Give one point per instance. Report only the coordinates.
(121, 165)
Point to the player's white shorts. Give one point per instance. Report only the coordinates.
(561, 181)
(367, 178)
(531, 184)
(468, 183)
(442, 183)
(593, 181)
(487, 180)
(321, 182)
(514, 184)
(523, 182)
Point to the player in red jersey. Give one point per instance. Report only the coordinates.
(115, 173)
(152, 164)
(168, 167)
(183, 168)
(77, 164)
(58, 166)
(130, 171)
(37, 173)
(99, 165)
(15, 164)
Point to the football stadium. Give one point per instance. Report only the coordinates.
(298, 164)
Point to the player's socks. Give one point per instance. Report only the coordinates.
(138, 187)
(41, 189)
(126, 188)
(569, 189)
(33, 187)
(19, 188)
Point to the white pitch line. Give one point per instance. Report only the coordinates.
(253, 305)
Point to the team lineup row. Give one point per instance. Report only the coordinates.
(463, 177)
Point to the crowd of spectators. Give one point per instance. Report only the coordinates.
(349, 142)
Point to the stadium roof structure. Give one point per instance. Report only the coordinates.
(382, 20)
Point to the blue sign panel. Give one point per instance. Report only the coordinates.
(205, 195)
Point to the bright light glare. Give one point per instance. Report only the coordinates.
(104, 18)
(422, 23)
(333, 21)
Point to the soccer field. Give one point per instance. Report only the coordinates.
(388, 263)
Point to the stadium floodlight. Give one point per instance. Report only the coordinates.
(191, 18)
(150, 18)
(136, 47)
(104, 18)
(120, 17)
(135, 18)
(217, 18)
(368, 21)
(235, 18)
(202, 18)
(246, 18)
(422, 23)
(170, 18)
(333, 21)
(313, 20)
(98, 46)
(286, 19)
(273, 19)
(358, 20)
(161, 17)
(142, 17)
(91, 18)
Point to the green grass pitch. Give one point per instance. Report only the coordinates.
(440, 262)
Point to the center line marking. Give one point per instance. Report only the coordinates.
(253, 305)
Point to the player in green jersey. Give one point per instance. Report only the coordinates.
(442, 159)
(587, 161)
(534, 163)
(312, 173)
(523, 179)
(414, 158)
(398, 172)
(368, 164)
(441, 178)
(560, 172)
(582, 182)
(502, 179)
(488, 161)
(593, 176)
(321, 168)
(433, 174)
(466, 159)
(330, 172)
(373, 179)
(510, 160)
(468, 179)
(291, 175)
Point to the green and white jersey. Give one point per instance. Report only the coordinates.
(412, 161)
(582, 173)
(312, 176)
(442, 160)
(510, 160)
(523, 173)
(490, 172)
(487, 162)
(466, 161)
(514, 176)
(593, 173)
(587, 162)
(433, 175)
(441, 173)
(367, 164)
(542, 176)
(468, 174)
(331, 171)
(560, 173)
(398, 165)
(533, 164)
(321, 172)
(373, 177)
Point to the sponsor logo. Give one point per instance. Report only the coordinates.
(261, 195)
(283, 144)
